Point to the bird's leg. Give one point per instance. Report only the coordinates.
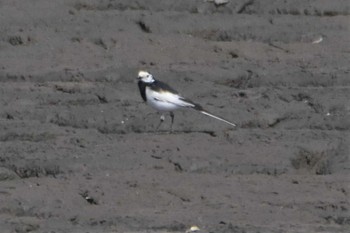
(172, 120)
(162, 118)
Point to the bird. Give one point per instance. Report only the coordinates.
(164, 98)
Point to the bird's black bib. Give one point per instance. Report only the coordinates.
(142, 88)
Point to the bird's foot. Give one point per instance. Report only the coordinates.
(162, 118)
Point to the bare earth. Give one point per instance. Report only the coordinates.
(78, 148)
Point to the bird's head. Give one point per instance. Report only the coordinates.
(145, 77)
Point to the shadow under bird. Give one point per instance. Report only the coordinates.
(163, 98)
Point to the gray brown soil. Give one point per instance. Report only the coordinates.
(78, 148)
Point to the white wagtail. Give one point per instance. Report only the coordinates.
(165, 99)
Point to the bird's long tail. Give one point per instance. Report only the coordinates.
(216, 117)
(201, 109)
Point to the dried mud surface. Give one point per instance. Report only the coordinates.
(78, 148)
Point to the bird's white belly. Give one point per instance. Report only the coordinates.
(164, 101)
(161, 105)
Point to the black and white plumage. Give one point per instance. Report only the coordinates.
(163, 98)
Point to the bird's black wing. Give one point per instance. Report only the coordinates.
(163, 87)
(159, 86)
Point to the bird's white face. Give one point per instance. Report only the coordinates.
(145, 77)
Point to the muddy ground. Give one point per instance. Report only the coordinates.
(78, 148)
